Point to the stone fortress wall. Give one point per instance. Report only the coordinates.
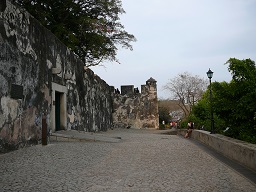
(40, 76)
(134, 109)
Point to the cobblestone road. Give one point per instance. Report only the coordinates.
(142, 161)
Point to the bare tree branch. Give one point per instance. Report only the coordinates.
(187, 89)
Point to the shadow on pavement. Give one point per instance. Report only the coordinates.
(249, 174)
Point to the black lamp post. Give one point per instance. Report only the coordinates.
(209, 75)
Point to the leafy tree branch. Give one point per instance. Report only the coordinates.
(90, 28)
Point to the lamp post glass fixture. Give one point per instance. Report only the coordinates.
(209, 75)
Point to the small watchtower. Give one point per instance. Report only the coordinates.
(152, 84)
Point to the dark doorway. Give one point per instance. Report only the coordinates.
(57, 110)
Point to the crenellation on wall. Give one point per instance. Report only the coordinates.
(127, 89)
(134, 109)
(144, 89)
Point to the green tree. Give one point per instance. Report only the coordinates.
(240, 101)
(234, 103)
(164, 115)
(90, 28)
(201, 112)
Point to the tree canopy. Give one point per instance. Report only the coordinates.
(234, 103)
(90, 28)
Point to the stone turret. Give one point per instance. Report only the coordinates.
(150, 111)
(151, 83)
(138, 110)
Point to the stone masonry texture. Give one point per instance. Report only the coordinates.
(139, 110)
(143, 161)
(40, 76)
(35, 67)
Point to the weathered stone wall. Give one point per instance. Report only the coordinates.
(38, 75)
(138, 110)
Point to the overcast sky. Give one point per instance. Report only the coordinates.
(180, 36)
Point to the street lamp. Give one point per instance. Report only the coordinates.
(209, 75)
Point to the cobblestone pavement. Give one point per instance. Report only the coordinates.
(142, 161)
